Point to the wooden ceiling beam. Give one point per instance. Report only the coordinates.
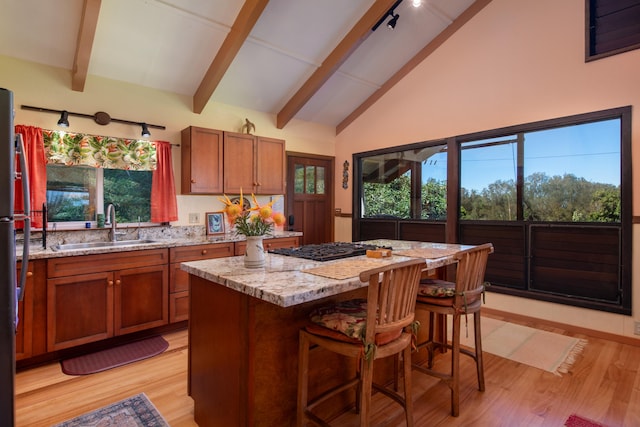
(84, 44)
(246, 19)
(426, 51)
(358, 34)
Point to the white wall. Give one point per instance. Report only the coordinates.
(517, 61)
(48, 87)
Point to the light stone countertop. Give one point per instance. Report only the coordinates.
(38, 252)
(283, 282)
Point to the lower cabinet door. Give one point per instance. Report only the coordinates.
(79, 309)
(141, 298)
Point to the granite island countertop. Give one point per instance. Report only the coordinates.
(286, 281)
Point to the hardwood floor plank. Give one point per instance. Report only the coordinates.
(603, 385)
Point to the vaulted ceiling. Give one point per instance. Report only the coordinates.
(314, 60)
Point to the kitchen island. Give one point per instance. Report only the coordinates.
(244, 323)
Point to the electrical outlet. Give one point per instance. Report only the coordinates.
(194, 218)
(636, 328)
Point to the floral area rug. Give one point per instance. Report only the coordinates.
(135, 411)
(549, 351)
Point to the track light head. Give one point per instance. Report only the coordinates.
(393, 21)
(145, 130)
(64, 119)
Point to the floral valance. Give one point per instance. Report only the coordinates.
(74, 149)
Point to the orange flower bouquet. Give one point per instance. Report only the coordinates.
(252, 221)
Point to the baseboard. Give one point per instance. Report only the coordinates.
(505, 315)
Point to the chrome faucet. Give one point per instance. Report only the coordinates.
(110, 219)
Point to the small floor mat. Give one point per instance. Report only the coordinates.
(577, 421)
(113, 357)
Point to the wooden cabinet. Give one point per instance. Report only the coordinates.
(179, 279)
(280, 242)
(254, 164)
(93, 297)
(202, 153)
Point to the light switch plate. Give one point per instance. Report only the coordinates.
(194, 218)
(636, 328)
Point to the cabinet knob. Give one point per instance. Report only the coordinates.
(193, 181)
(29, 274)
(110, 282)
(118, 282)
(204, 252)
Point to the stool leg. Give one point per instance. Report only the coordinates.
(455, 367)
(366, 384)
(303, 378)
(478, 344)
(408, 400)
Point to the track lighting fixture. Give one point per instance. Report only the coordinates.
(393, 21)
(145, 130)
(64, 119)
(394, 17)
(100, 118)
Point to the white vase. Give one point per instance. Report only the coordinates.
(254, 253)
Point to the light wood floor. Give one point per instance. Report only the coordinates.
(603, 385)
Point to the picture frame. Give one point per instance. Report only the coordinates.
(214, 223)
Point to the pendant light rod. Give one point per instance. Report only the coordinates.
(100, 117)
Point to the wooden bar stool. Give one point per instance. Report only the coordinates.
(365, 329)
(456, 299)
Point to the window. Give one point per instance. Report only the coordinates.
(613, 26)
(75, 194)
(563, 174)
(554, 197)
(405, 184)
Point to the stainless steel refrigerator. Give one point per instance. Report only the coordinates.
(11, 151)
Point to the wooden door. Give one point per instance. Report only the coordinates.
(141, 298)
(238, 163)
(79, 309)
(310, 196)
(201, 161)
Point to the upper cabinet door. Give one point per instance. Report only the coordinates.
(202, 161)
(239, 157)
(270, 166)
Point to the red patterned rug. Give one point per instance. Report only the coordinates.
(113, 357)
(577, 421)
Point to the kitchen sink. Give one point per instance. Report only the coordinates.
(92, 245)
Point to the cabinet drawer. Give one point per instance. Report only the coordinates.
(198, 252)
(86, 264)
(281, 242)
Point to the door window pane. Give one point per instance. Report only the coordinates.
(320, 180)
(310, 176)
(299, 179)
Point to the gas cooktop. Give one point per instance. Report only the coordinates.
(326, 251)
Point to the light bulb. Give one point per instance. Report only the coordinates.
(416, 3)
